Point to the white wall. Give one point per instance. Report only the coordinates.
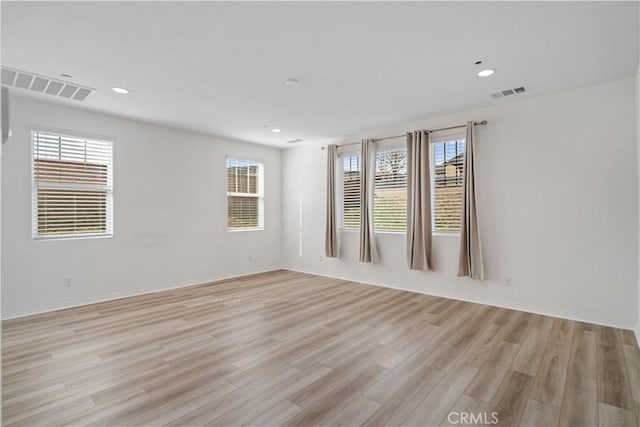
(558, 210)
(169, 215)
(638, 169)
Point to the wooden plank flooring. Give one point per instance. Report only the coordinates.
(285, 348)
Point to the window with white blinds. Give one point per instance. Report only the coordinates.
(448, 164)
(245, 199)
(351, 192)
(390, 191)
(72, 186)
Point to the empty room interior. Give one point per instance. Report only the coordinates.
(320, 213)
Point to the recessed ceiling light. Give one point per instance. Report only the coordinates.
(120, 90)
(291, 82)
(276, 130)
(486, 73)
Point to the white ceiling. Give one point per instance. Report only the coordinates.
(219, 68)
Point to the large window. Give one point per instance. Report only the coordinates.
(72, 186)
(245, 201)
(390, 191)
(390, 188)
(351, 192)
(448, 164)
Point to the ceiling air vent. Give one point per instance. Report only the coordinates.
(508, 92)
(294, 141)
(24, 80)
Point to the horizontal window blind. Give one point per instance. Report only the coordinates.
(244, 194)
(390, 191)
(72, 186)
(448, 159)
(351, 192)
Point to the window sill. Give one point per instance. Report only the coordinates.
(441, 234)
(72, 237)
(236, 230)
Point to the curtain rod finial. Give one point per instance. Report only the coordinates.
(484, 122)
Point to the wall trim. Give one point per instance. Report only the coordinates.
(80, 302)
(501, 304)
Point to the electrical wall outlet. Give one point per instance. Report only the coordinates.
(67, 281)
(508, 281)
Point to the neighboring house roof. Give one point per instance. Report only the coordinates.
(457, 160)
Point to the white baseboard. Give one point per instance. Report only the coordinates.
(496, 303)
(79, 302)
(508, 305)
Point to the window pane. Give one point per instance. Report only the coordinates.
(242, 179)
(351, 192)
(243, 212)
(448, 170)
(62, 212)
(232, 184)
(390, 191)
(70, 172)
(252, 179)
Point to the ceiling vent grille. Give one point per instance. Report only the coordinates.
(24, 80)
(508, 92)
(294, 141)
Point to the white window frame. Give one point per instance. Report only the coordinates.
(34, 187)
(259, 195)
(435, 138)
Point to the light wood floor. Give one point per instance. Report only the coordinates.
(295, 349)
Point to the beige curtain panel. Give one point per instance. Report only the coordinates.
(418, 201)
(470, 262)
(331, 234)
(368, 249)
